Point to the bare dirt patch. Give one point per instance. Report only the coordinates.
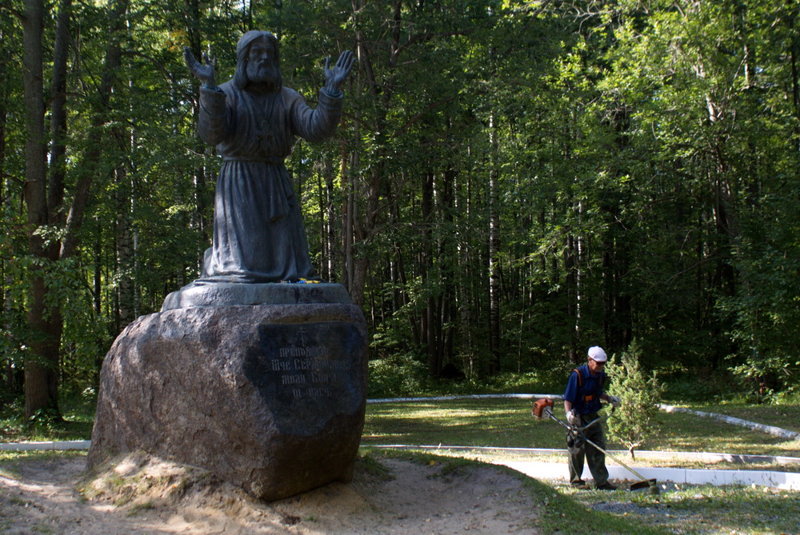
(140, 495)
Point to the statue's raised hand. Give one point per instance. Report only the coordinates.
(335, 77)
(204, 71)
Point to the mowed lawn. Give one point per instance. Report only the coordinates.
(508, 423)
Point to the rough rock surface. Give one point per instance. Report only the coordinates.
(215, 294)
(267, 397)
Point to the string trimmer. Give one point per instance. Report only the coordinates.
(544, 407)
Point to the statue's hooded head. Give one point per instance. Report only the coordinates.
(265, 70)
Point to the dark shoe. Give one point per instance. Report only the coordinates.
(579, 484)
(606, 486)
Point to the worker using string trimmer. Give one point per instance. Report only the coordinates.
(581, 404)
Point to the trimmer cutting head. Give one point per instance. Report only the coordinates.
(649, 484)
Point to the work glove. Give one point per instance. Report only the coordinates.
(573, 418)
(615, 401)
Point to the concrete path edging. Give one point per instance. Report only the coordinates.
(755, 426)
(58, 445)
(687, 476)
(691, 476)
(466, 396)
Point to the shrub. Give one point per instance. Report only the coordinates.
(396, 376)
(634, 420)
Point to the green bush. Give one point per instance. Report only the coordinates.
(397, 375)
(634, 421)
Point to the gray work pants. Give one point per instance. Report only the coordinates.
(595, 458)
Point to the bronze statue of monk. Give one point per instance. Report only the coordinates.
(253, 120)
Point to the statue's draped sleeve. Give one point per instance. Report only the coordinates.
(214, 122)
(313, 124)
(218, 115)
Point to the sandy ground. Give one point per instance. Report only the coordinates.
(138, 495)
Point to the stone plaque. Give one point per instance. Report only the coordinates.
(304, 372)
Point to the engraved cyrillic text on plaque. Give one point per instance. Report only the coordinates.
(307, 372)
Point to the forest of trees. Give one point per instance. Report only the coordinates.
(512, 181)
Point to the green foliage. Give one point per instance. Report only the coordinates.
(643, 160)
(634, 421)
(73, 422)
(687, 386)
(396, 376)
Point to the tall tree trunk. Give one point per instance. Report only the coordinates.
(617, 316)
(448, 254)
(494, 251)
(126, 288)
(794, 57)
(45, 321)
(349, 222)
(41, 367)
(430, 323)
(467, 306)
(333, 256)
(571, 268)
(364, 224)
(91, 159)
(8, 368)
(58, 117)
(201, 216)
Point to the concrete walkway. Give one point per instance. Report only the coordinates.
(557, 470)
(693, 476)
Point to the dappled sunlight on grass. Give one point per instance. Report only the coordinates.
(484, 422)
(702, 509)
(686, 432)
(784, 415)
(508, 423)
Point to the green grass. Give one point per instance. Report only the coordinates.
(702, 509)
(508, 423)
(689, 510)
(785, 415)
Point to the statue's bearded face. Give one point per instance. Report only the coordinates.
(262, 63)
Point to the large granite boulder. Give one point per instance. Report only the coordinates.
(270, 397)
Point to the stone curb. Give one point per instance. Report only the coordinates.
(61, 445)
(755, 426)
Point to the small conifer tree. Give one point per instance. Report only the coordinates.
(634, 421)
